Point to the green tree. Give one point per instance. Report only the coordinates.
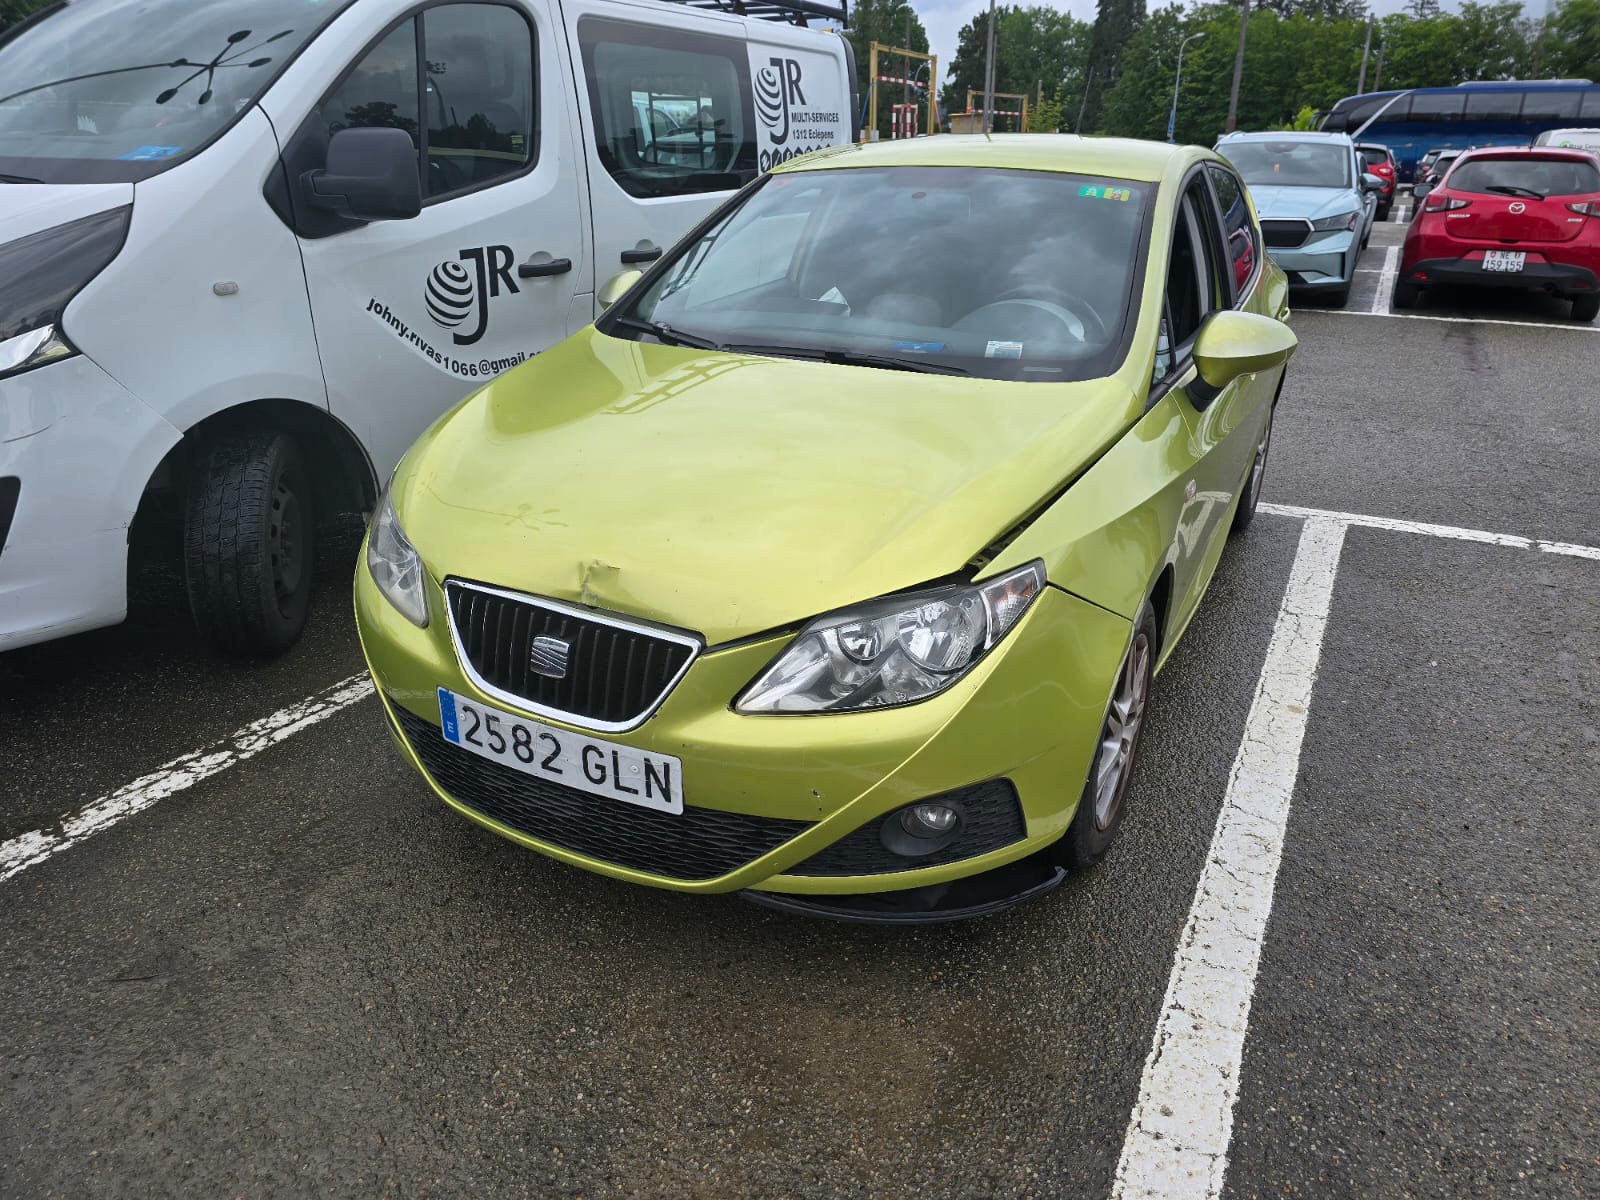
(884, 21)
(1034, 48)
(12, 11)
(1047, 116)
(1116, 22)
(1570, 47)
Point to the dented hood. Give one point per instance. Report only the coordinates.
(730, 494)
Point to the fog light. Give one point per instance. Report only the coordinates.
(928, 820)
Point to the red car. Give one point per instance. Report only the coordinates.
(1510, 218)
(1380, 162)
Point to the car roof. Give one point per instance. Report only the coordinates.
(1287, 135)
(1112, 158)
(1555, 153)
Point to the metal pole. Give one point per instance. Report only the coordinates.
(1361, 84)
(872, 95)
(1082, 104)
(1377, 78)
(1238, 69)
(905, 90)
(933, 104)
(988, 77)
(1172, 117)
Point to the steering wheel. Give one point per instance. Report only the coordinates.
(1087, 317)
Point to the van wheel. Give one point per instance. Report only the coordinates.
(1586, 308)
(1104, 798)
(250, 542)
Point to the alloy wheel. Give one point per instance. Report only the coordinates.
(1120, 736)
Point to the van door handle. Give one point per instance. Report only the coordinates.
(641, 256)
(556, 266)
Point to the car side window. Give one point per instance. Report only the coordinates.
(1239, 226)
(669, 108)
(480, 95)
(380, 90)
(1189, 289)
(1217, 280)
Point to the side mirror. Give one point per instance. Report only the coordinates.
(371, 176)
(1231, 344)
(616, 287)
(1420, 192)
(1371, 182)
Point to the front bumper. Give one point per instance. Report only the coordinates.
(784, 789)
(80, 449)
(1327, 260)
(1564, 278)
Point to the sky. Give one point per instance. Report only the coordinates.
(943, 19)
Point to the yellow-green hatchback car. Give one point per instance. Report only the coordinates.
(834, 562)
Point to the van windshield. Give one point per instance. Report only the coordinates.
(998, 274)
(108, 91)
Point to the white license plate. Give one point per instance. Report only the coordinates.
(1504, 260)
(606, 769)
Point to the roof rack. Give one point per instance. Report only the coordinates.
(790, 12)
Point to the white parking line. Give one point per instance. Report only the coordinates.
(30, 849)
(1182, 1123)
(1391, 268)
(1398, 525)
(1571, 327)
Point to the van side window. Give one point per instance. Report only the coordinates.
(381, 89)
(1244, 241)
(480, 94)
(669, 108)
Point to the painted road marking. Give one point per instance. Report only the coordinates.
(1573, 327)
(1182, 1123)
(30, 849)
(1397, 525)
(1391, 268)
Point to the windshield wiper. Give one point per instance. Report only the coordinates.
(851, 358)
(1511, 189)
(19, 179)
(672, 337)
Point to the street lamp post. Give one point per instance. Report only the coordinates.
(1172, 117)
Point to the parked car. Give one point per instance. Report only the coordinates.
(705, 598)
(1316, 204)
(1380, 161)
(1510, 218)
(243, 291)
(1575, 139)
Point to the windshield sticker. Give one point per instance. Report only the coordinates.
(1093, 191)
(149, 153)
(1003, 350)
(920, 347)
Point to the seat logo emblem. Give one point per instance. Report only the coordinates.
(548, 657)
(1517, 206)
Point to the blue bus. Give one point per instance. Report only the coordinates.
(1491, 113)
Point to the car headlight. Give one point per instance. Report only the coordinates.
(897, 650)
(43, 272)
(1334, 224)
(395, 566)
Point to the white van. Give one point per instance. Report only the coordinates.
(1577, 139)
(250, 249)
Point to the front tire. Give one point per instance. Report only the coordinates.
(1104, 800)
(1586, 308)
(250, 542)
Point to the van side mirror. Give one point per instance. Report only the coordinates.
(616, 287)
(371, 176)
(1231, 344)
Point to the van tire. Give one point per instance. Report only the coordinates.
(249, 541)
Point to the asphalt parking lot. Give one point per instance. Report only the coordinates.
(1346, 945)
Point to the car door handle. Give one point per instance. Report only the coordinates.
(641, 256)
(556, 266)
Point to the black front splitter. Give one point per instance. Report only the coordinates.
(959, 900)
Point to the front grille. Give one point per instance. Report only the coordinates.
(615, 675)
(699, 843)
(993, 819)
(10, 489)
(1285, 234)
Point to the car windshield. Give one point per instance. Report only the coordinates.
(1291, 164)
(104, 90)
(1001, 274)
(1526, 177)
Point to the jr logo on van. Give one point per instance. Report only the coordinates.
(453, 293)
(788, 125)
